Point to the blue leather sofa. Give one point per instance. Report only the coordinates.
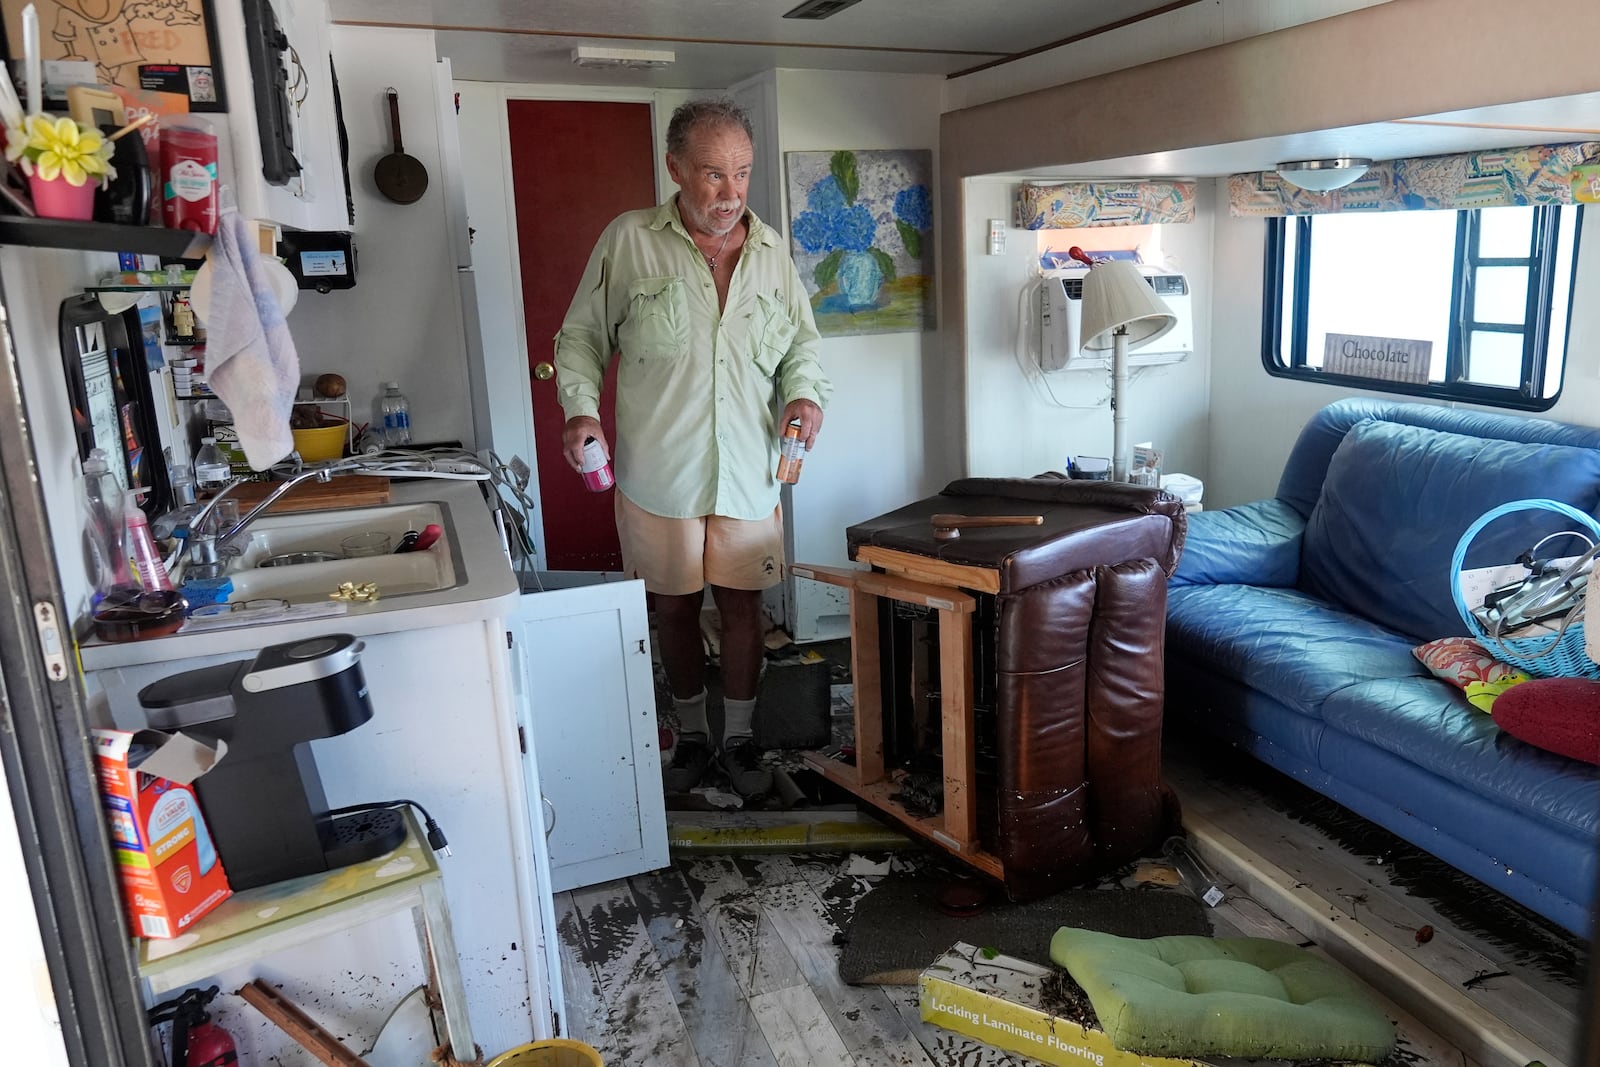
(1290, 624)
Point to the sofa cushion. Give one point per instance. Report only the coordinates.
(1255, 544)
(1283, 642)
(1462, 661)
(1307, 465)
(1560, 715)
(1239, 996)
(1395, 501)
(1429, 723)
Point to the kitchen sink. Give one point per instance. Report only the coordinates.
(294, 536)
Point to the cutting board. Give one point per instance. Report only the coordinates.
(343, 491)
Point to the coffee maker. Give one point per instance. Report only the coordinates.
(263, 800)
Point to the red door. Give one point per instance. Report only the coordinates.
(576, 166)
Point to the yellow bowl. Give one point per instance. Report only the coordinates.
(325, 442)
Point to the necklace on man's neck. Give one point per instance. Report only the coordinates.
(711, 260)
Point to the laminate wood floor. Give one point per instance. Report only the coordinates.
(725, 960)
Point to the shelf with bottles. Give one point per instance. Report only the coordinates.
(171, 279)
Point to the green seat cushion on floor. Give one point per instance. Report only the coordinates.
(1203, 996)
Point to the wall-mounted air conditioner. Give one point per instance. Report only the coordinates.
(1060, 305)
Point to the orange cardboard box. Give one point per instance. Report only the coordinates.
(166, 861)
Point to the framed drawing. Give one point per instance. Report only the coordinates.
(167, 46)
(861, 230)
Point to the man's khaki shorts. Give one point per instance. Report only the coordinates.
(676, 557)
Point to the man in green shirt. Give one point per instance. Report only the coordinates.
(715, 332)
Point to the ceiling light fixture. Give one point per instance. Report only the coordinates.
(819, 9)
(1323, 175)
(621, 58)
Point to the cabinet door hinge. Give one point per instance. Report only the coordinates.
(508, 638)
(642, 650)
(50, 645)
(522, 740)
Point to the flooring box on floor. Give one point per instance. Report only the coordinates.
(1003, 1001)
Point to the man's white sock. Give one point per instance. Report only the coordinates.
(692, 717)
(736, 718)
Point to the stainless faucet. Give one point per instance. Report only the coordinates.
(206, 546)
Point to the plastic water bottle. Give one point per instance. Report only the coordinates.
(396, 415)
(211, 468)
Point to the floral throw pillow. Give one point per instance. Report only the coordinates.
(1461, 661)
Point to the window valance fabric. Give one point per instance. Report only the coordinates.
(1072, 204)
(1507, 177)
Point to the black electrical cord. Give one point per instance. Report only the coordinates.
(436, 839)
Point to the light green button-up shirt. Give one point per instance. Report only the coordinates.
(699, 389)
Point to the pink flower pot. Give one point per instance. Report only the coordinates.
(57, 199)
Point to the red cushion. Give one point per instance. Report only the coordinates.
(1560, 715)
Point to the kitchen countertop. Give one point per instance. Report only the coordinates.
(489, 591)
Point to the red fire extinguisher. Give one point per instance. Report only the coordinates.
(196, 1040)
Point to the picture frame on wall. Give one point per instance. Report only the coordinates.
(133, 46)
(861, 231)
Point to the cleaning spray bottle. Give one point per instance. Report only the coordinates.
(142, 546)
(105, 534)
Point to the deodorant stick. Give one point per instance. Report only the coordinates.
(596, 467)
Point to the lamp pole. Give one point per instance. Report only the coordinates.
(1119, 409)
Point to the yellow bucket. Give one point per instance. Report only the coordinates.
(556, 1052)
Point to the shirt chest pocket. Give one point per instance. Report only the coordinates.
(774, 333)
(656, 325)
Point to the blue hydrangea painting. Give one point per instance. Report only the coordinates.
(861, 225)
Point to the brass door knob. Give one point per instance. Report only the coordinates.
(543, 371)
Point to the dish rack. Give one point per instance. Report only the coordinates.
(343, 402)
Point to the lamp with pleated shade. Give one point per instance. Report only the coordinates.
(1120, 312)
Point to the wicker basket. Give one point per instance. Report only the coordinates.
(1543, 656)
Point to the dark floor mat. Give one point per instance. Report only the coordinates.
(898, 928)
(793, 708)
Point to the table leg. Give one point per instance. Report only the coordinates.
(447, 971)
(960, 749)
(866, 677)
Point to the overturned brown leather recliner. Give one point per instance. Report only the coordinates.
(1080, 622)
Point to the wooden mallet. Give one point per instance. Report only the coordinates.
(949, 527)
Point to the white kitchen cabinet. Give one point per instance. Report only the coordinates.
(315, 199)
(588, 700)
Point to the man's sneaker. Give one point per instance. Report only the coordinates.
(742, 762)
(690, 758)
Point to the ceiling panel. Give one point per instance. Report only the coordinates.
(722, 41)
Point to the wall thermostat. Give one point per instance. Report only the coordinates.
(323, 260)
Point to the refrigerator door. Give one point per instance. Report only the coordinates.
(477, 371)
(455, 193)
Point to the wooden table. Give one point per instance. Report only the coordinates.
(939, 586)
(258, 922)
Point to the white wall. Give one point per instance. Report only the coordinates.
(1014, 429)
(869, 458)
(1186, 29)
(402, 321)
(1256, 417)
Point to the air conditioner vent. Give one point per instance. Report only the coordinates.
(819, 9)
